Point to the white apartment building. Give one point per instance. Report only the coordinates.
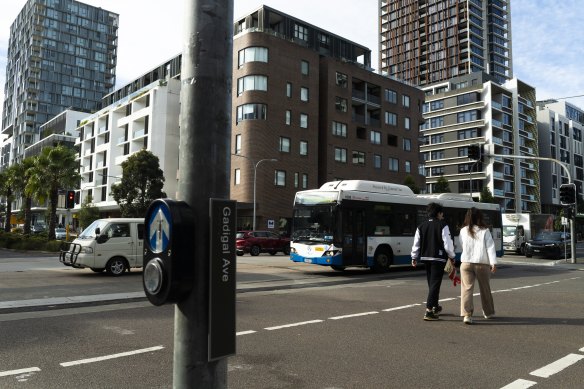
(560, 126)
(473, 109)
(145, 119)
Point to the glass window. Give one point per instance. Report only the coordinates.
(284, 144)
(341, 80)
(339, 129)
(237, 144)
(288, 89)
(408, 166)
(304, 65)
(304, 94)
(288, 117)
(407, 143)
(375, 137)
(237, 177)
(377, 161)
(303, 147)
(407, 123)
(405, 100)
(304, 180)
(393, 164)
(390, 118)
(300, 32)
(280, 178)
(341, 104)
(391, 96)
(252, 54)
(340, 154)
(359, 158)
(251, 112)
(303, 120)
(252, 82)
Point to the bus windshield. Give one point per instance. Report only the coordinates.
(313, 223)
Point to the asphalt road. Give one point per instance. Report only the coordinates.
(301, 326)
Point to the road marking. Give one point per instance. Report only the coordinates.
(293, 325)
(246, 332)
(402, 307)
(448, 299)
(557, 366)
(112, 356)
(353, 315)
(519, 384)
(19, 371)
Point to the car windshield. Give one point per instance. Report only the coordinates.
(59, 230)
(550, 235)
(240, 235)
(89, 232)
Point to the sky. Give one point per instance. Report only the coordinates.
(547, 41)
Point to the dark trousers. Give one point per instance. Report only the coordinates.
(434, 274)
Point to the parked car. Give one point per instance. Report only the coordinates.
(37, 229)
(60, 233)
(256, 242)
(549, 244)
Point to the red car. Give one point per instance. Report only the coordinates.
(256, 242)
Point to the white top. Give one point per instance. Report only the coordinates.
(481, 249)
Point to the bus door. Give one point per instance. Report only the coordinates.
(354, 241)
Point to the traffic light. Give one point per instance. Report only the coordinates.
(168, 262)
(568, 194)
(474, 152)
(70, 199)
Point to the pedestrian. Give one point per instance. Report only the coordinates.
(478, 261)
(433, 246)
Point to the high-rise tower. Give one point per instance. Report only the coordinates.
(61, 54)
(428, 41)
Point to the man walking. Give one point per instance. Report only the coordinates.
(433, 246)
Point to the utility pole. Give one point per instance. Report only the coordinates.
(204, 164)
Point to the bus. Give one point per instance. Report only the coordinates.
(357, 223)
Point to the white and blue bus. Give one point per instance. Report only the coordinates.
(357, 223)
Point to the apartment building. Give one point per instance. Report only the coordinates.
(560, 125)
(307, 109)
(61, 54)
(430, 41)
(473, 109)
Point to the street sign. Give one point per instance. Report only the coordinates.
(222, 278)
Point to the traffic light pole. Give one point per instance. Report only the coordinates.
(204, 163)
(567, 170)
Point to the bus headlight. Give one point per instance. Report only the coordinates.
(293, 250)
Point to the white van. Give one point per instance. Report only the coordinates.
(113, 245)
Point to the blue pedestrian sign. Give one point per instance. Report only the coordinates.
(159, 227)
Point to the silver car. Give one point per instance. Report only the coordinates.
(60, 233)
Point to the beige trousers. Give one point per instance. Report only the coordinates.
(469, 272)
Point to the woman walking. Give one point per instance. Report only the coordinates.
(479, 260)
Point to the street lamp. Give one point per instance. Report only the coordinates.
(255, 171)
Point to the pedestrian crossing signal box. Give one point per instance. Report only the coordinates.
(168, 264)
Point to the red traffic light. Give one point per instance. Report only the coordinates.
(70, 200)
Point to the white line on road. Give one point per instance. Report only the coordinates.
(353, 315)
(19, 371)
(557, 366)
(519, 384)
(402, 307)
(112, 356)
(245, 332)
(448, 299)
(293, 325)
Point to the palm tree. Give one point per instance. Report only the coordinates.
(23, 171)
(7, 189)
(53, 169)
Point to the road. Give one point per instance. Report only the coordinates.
(300, 326)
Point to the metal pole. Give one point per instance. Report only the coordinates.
(255, 170)
(204, 164)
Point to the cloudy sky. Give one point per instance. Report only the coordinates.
(548, 43)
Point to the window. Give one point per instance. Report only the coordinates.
(393, 164)
(467, 116)
(237, 177)
(304, 65)
(390, 118)
(341, 80)
(251, 112)
(303, 120)
(340, 154)
(339, 129)
(284, 144)
(300, 32)
(392, 140)
(296, 179)
(407, 144)
(437, 121)
(304, 180)
(303, 147)
(237, 144)
(359, 158)
(377, 161)
(375, 137)
(407, 123)
(391, 96)
(280, 178)
(341, 104)
(252, 54)
(252, 82)
(288, 117)
(288, 89)
(408, 166)
(406, 101)
(303, 94)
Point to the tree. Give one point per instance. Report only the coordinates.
(142, 182)
(411, 183)
(23, 171)
(486, 196)
(7, 190)
(53, 169)
(88, 212)
(442, 185)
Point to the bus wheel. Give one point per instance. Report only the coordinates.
(338, 268)
(382, 261)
